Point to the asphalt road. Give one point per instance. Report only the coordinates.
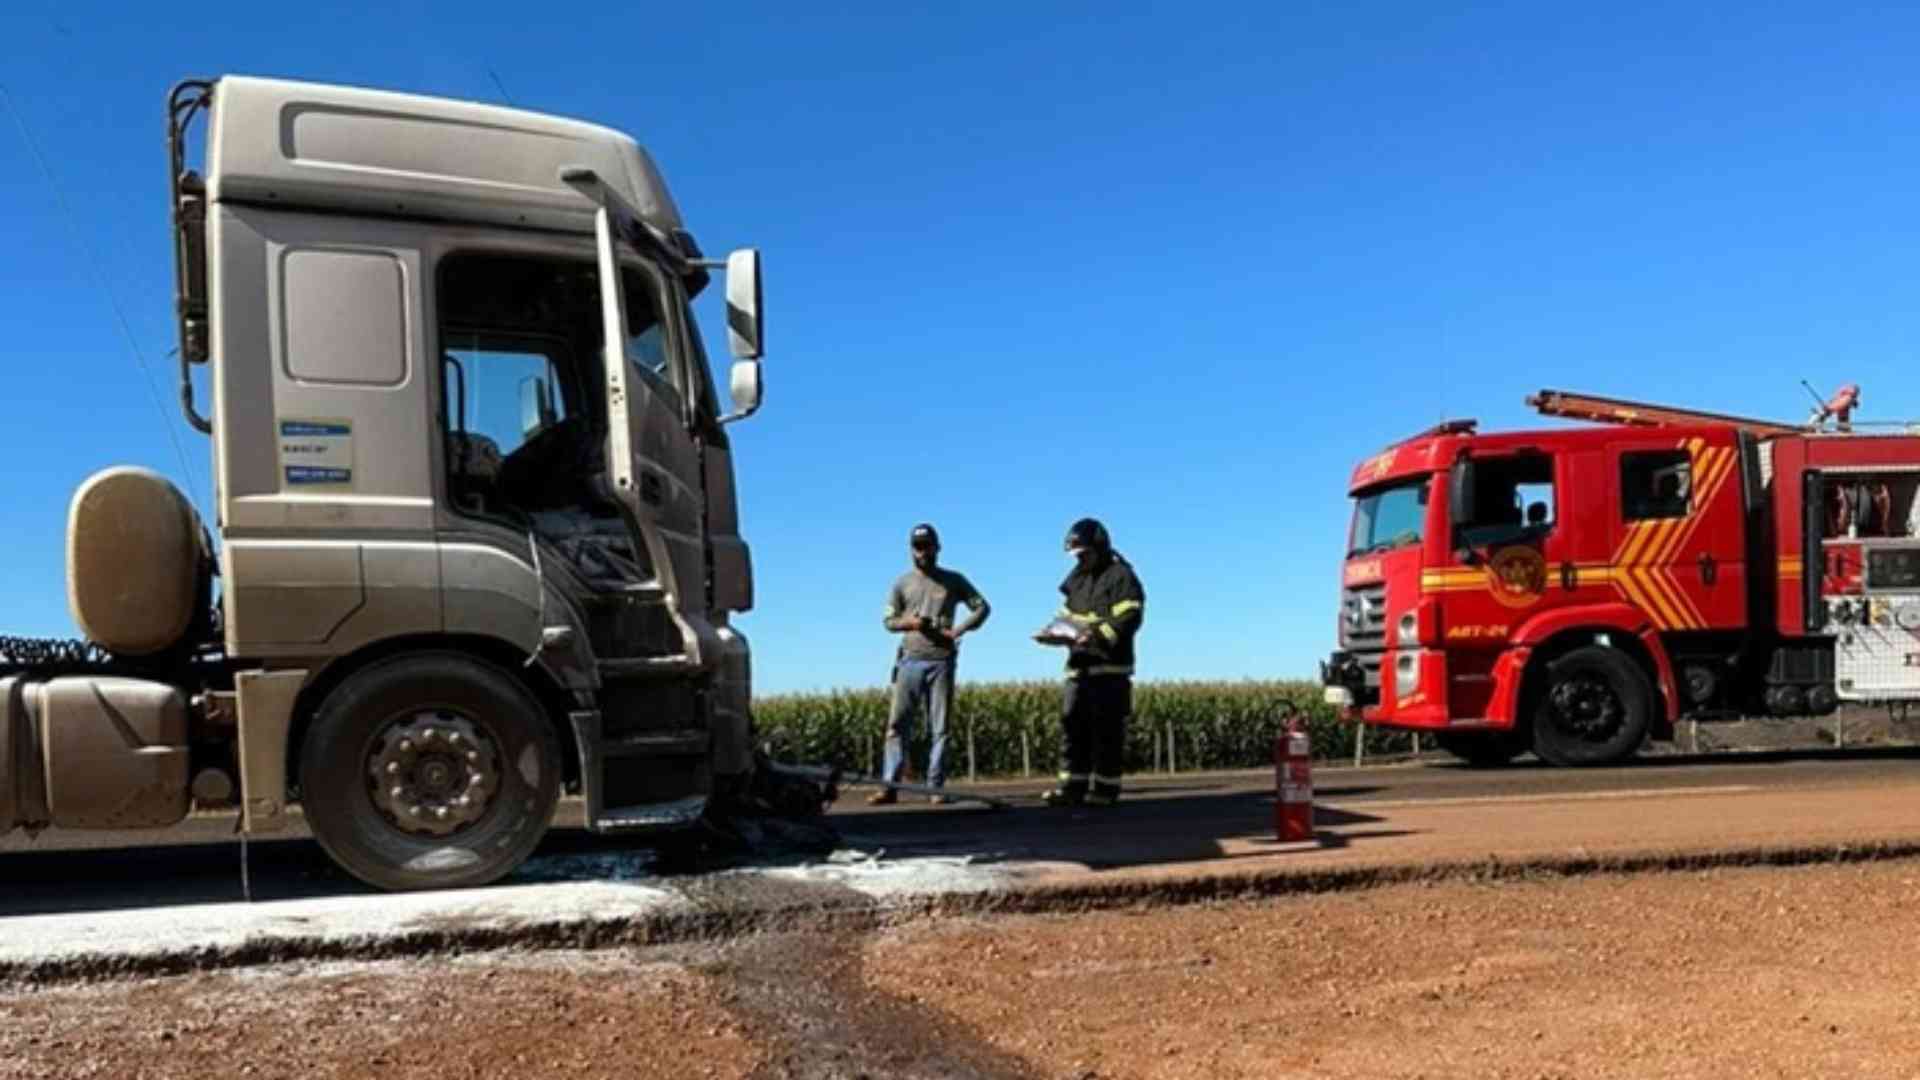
(1166, 820)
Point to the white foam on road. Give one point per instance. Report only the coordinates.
(560, 891)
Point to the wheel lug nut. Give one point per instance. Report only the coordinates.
(393, 768)
(396, 791)
(406, 746)
(442, 813)
(416, 810)
(473, 757)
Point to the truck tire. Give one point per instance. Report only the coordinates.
(1592, 709)
(429, 771)
(1484, 751)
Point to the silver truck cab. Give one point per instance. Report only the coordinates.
(467, 554)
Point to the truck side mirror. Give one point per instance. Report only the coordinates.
(745, 331)
(746, 389)
(1460, 493)
(1460, 498)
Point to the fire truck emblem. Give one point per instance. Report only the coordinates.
(1517, 576)
(1375, 467)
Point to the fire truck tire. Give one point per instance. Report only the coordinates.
(1483, 751)
(429, 771)
(1592, 708)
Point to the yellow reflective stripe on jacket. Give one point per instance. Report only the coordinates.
(1125, 606)
(1107, 630)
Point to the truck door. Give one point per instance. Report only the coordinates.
(1511, 557)
(1679, 527)
(653, 462)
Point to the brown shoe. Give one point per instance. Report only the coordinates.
(886, 797)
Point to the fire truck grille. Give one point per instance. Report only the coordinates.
(1363, 627)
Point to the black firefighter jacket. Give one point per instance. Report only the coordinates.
(1106, 598)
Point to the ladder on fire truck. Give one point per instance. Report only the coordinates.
(1605, 410)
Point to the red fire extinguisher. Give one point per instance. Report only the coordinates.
(1293, 782)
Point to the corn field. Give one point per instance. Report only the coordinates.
(1013, 729)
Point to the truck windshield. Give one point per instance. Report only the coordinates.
(1389, 517)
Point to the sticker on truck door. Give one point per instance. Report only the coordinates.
(316, 453)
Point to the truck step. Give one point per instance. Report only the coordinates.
(647, 817)
(647, 666)
(681, 743)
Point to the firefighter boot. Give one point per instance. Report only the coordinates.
(1071, 792)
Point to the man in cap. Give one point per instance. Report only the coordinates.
(1105, 601)
(920, 608)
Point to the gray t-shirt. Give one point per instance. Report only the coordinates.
(934, 596)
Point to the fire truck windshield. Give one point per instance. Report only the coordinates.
(1389, 517)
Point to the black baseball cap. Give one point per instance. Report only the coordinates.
(923, 535)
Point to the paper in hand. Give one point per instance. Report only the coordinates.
(1059, 632)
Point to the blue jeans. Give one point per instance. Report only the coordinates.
(918, 683)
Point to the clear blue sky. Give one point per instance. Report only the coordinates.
(1178, 267)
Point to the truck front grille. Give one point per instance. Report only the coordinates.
(1363, 627)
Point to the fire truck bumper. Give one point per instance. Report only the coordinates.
(1346, 682)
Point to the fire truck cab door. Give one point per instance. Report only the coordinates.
(1511, 550)
(1679, 529)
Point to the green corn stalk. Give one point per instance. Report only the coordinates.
(1214, 725)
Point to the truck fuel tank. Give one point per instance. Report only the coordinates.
(92, 752)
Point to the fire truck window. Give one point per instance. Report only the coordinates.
(1389, 518)
(1655, 484)
(1513, 500)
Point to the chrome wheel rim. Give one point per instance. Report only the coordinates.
(433, 773)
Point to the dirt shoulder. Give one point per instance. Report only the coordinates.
(1729, 972)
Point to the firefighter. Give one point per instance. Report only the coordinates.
(920, 608)
(1105, 600)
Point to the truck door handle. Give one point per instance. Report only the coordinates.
(1568, 577)
(1709, 569)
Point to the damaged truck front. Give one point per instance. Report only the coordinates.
(477, 528)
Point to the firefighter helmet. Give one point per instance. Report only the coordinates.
(1088, 533)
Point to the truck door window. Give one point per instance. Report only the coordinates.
(1513, 501)
(511, 395)
(648, 348)
(1655, 484)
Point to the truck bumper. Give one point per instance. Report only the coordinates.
(1345, 680)
(1414, 691)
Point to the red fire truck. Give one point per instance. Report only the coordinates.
(1575, 592)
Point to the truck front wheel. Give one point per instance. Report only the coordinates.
(1592, 709)
(429, 771)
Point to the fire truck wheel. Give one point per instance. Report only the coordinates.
(430, 771)
(1483, 751)
(1592, 709)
